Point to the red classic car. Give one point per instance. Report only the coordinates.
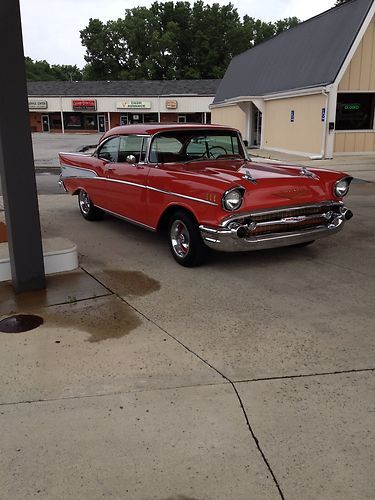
(198, 183)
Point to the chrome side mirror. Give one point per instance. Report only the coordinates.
(131, 159)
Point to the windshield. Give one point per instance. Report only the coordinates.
(192, 145)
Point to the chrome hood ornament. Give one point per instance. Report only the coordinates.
(249, 177)
(306, 173)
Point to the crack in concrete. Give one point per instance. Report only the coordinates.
(113, 393)
(256, 440)
(307, 375)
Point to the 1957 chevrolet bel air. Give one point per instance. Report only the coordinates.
(198, 183)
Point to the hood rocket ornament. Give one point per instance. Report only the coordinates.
(249, 177)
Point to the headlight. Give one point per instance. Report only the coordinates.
(232, 200)
(341, 188)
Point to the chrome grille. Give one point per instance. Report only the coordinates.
(291, 219)
(294, 212)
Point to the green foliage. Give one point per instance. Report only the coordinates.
(42, 71)
(172, 41)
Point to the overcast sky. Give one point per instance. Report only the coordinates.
(51, 27)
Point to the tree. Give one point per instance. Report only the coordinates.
(42, 71)
(172, 41)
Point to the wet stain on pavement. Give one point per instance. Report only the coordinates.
(134, 283)
(61, 288)
(102, 320)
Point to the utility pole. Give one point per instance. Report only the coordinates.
(17, 171)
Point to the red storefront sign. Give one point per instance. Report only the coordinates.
(84, 104)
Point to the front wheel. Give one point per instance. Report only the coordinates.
(185, 240)
(87, 208)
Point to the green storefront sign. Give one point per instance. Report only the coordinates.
(352, 107)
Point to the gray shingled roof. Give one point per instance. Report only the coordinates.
(309, 55)
(125, 88)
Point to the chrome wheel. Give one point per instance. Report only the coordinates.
(84, 202)
(180, 238)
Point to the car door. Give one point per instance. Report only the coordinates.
(99, 189)
(128, 179)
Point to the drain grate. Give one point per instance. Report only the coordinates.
(20, 323)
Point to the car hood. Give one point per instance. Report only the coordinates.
(269, 185)
(235, 171)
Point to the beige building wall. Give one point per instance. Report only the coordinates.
(305, 134)
(231, 116)
(359, 77)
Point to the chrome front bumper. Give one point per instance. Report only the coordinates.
(239, 239)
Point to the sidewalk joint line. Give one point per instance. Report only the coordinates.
(85, 299)
(113, 393)
(256, 440)
(307, 375)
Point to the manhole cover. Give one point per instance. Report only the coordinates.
(20, 323)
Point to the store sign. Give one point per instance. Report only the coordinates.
(84, 104)
(38, 104)
(323, 114)
(171, 104)
(352, 107)
(292, 116)
(133, 104)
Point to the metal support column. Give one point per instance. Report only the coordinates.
(16, 157)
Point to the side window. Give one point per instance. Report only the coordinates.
(109, 150)
(197, 147)
(165, 149)
(133, 145)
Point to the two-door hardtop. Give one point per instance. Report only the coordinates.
(198, 183)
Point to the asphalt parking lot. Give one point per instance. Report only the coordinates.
(251, 377)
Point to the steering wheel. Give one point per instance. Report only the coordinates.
(213, 155)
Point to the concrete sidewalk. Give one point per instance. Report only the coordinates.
(249, 378)
(47, 146)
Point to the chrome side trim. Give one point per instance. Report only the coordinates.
(170, 193)
(117, 181)
(70, 171)
(127, 219)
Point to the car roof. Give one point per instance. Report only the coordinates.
(153, 128)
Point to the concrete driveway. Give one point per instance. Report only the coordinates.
(249, 378)
(47, 146)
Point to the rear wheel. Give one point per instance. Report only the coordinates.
(88, 210)
(185, 240)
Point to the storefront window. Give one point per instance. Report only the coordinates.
(150, 118)
(355, 111)
(82, 121)
(90, 122)
(55, 121)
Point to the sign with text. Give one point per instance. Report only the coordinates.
(352, 107)
(133, 104)
(292, 116)
(171, 104)
(38, 104)
(84, 104)
(323, 114)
